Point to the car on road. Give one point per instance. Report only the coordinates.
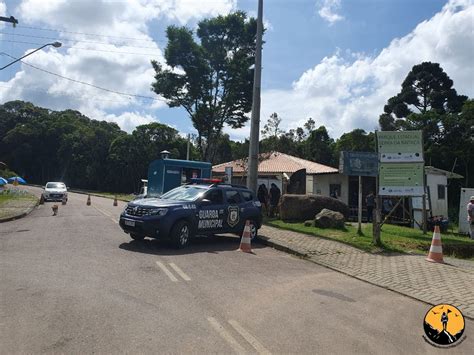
(203, 207)
(54, 191)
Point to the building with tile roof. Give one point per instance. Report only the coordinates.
(276, 163)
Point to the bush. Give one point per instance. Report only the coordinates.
(300, 208)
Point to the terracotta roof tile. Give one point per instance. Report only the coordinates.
(276, 162)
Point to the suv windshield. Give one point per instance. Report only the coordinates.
(184, 193)
(55, 185)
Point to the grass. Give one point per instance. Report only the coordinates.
(394, 238)
(13, 201)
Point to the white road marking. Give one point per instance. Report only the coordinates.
(167, 272)
(249, 337)
(180, 272)
(106, 214)
(226, 336)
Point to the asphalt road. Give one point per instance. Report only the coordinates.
(75, 283)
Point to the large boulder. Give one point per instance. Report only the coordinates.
(329, 219)
(300, 208)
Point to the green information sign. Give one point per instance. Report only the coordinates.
(399, 147)
(401, 179)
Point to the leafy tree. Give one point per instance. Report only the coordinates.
(43, 145)
(357, 140)
(427, 88)
(211, 79)
(310, 125)
(272, 127)
(319, 147)
(223, 151)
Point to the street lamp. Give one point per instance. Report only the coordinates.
(54, 44)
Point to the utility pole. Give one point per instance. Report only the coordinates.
(187, 147)
(255, 120)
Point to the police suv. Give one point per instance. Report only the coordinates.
(204, 207)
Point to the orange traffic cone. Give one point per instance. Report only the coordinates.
(88, 200)
(115, 201)
(436, 251)
(245, 245)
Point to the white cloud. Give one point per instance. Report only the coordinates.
(328, 10)
(3, 12)
(105, 15)
(129, 120)
(346, 92)
(106, 63)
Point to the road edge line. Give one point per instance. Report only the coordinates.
(226, 335)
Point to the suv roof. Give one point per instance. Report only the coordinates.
(215, 183)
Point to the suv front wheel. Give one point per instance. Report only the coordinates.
(180, 234)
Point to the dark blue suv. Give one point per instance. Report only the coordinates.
(193, 209)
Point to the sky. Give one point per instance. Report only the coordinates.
(337, 61)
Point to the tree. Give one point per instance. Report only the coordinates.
(319, 146)
(212, 79)
(357, 140)
(310, 125)
(272, 127)
(427, 88)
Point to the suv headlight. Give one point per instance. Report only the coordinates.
(157, 211)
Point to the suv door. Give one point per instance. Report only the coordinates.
(234, 220)
(211, 213)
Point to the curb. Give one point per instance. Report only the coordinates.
(281, 247)
(84, 192)
(21, 215)
(284, 248)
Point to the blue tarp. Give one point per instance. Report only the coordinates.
(17, 178)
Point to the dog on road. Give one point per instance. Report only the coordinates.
(55, 209)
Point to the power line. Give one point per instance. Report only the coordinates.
(85, 49)
(44, 91)
(85, 34)
(73, 40)
(87, 84)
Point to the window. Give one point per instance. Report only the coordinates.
(233, 196)
(184, 193)
(335, 190)
(441, 192)
(215, 196)
(247, 195)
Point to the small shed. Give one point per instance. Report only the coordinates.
(166, 174)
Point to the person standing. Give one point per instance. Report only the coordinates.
(370, 202)
(470, 216)
(275, 194)
(262, 195)
(444, 320)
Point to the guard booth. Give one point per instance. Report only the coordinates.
(165, 174)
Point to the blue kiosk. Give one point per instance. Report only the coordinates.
(165, 174)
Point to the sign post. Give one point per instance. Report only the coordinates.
(359, 164)
(402, 167)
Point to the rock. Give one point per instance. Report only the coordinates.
(329, 219)
(300, 208)
(309, 223)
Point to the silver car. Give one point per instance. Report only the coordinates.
(55, 191)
